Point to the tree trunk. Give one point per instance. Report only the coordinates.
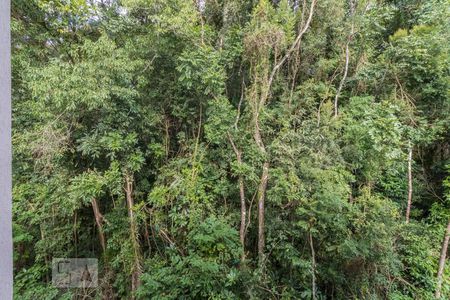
(136, 271)
(442, 261)
(99, 221)
(262, 87)
(313, 266)
(410, 187)
(347, 59)
(243, 213)
(294, 45)
(261, 193)
(344, 77)
(261, 211)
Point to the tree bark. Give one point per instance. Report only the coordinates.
(261, 193)
(296, 44)
(243, 215)
(410, 187)
(261, 211)
(136, 271)
(442, 261)
(264, 92)
(347, 59)
(99, 221)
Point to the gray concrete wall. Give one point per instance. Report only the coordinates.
(6, 261)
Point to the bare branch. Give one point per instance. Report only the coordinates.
(347, 57)
(294, 45)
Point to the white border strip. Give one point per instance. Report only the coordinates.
(6, 258)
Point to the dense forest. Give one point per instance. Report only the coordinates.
(233, 149)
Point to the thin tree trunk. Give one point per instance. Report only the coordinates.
(243, 215)
(167, 137)
(347, 59)
(313, 266)
(136, 271)
(261, 211)
(296, 43)
(242, 197)
(261, 193)
(258, 105)
(344, 77)
(99, 221)
(442, 261)
(410, 187)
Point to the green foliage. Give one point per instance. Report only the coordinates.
(208, 269)
(201, 68)
(138, 128)
(373, 134)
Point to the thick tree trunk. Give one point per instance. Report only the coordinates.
(136, 271)
(410, 187)
(99, 221)
(242, 197)
(442, 261)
